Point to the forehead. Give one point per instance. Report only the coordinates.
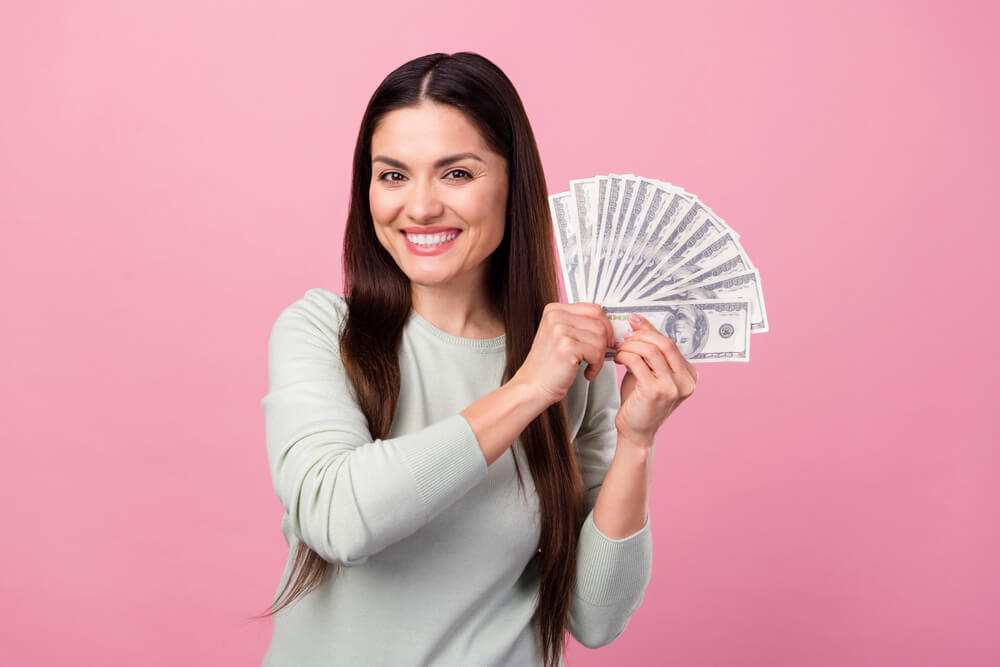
(426, 132)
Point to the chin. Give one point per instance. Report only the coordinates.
(428, 278)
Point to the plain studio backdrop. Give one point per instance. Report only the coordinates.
(173, 174)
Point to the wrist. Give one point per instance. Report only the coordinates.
(527, 395)
(636, 441)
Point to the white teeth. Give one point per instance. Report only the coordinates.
(431, 239)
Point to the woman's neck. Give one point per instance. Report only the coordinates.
(458, 310)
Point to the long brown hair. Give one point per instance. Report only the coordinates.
(521, 281)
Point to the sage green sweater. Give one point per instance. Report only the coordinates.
(435, 546)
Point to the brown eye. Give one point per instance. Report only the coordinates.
(464, 173)
(383, 176)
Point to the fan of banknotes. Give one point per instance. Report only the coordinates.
(640, 245)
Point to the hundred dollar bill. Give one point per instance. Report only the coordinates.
(584, 196)
(742, 285)
(567, 233)
(704, 330)
(646, 255)
(666, 201)
(698, 225)
(631, 229)
(605, 232)
(598, 203)
(627, 194)
(709, 229)
(692, 275)
(670, 239)
(712, 252)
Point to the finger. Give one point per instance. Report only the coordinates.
(639, 322)
(595, 326)
(583, 308)
(578, 343)
(640, 326)
(606, 323)
(692, 371)
(574, 312)
(684, 375)
(592, 349)
(636, 364)
(678, 364)
(650, 353)
(587, 316)
(593, 312)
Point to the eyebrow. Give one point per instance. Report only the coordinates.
(437, 165)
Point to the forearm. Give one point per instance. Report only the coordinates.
(499, 417)
(622, 504)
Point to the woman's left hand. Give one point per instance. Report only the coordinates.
(659, 379)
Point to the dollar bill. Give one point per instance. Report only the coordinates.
(605, 232)
(713, 251)
(567, 233)
(584, 192)
(727, 267)
(643, 196)
(745, 285)
(636, 244)
(626, 195)
(645, 257)
(698, 226)
(704, 330)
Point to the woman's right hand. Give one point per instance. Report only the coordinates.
(568, 334)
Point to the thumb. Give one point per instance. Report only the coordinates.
(637, 321)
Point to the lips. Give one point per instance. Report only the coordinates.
(429, 230)
(430, 241)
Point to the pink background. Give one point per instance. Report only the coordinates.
(172, 174)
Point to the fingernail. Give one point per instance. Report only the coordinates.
(634, 319)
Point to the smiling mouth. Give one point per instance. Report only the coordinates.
(431, 240)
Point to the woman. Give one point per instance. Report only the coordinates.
(399, 416)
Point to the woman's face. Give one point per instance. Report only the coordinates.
(438, 195)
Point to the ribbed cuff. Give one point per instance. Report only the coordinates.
(446, 462)
(611, 571)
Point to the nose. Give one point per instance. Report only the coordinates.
(423, 203)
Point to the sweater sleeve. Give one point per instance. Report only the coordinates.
(348, 495)
(612, 574)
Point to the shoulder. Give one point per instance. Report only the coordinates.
(319, 309)
(312, 321)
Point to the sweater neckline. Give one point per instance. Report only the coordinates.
(477, 344)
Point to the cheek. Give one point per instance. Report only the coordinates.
(493, 215)
(381, 218)
(377, 207)
(383, 213)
